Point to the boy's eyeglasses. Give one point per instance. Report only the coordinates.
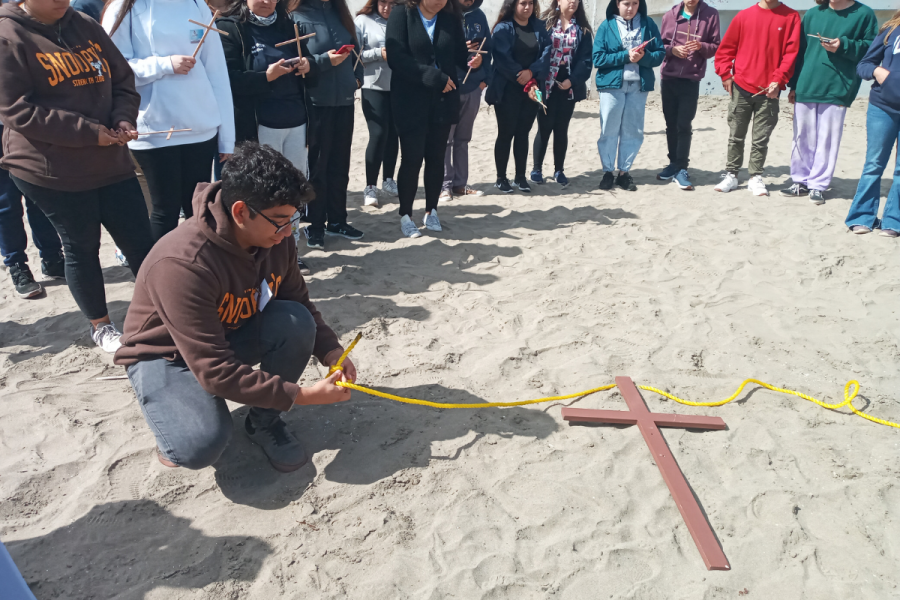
(278, 228)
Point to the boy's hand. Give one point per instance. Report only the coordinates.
(348, 368)
(324, 392)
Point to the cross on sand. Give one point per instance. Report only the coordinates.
(649, 424)
(208, 28)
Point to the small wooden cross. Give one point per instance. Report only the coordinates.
(208, 28)
(477, 53)
(297, 38)
(649, 424)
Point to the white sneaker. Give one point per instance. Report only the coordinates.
(432, 222)
(371, 196)
(120, 258)
(409, 228)
(757, 186)
(445, 197)
(729, 182)
(389, 186)
(107, 337)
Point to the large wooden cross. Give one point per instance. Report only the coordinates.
(207, 29)
(649, 424)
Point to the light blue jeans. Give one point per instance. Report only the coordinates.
(621, 125)
(882, 132)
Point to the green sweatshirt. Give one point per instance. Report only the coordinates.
(830, 77)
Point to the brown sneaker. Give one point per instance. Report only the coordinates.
(467, 191)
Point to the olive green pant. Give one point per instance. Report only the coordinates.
(763, 112)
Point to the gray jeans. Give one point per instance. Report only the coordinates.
(456, 160)
(192, 426)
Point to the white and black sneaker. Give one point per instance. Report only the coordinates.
(107, 337)
(522, 184)
(796, 190)
(503, 185)
(283, 449)
(23, 281)
(816, 197)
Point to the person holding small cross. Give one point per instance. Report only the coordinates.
(218, 295)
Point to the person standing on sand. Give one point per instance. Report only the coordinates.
(627, 48)
(69, 106)
(456, 159)
(882, 135)
(565, 84)
(755, 61)
(824, 85)
(218, 295)
(690, 33)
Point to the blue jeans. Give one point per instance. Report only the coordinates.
(192, 426)
(882, 132)
(13, 239)
(621, 125)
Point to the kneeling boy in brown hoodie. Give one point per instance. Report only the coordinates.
(216, 296)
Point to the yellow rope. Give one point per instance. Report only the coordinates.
(848, 395)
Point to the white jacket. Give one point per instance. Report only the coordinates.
(201, 101)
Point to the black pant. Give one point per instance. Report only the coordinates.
(515, 116)
(679, 104)
(556, 121)
(77, 216)
(427, 143)
(330, 134)
(384, 144)
(172, 175)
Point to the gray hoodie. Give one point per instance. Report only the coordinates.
(630, 32)
(370, 31)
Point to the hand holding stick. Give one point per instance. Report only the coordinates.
(478, 52)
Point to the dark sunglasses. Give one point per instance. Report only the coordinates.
(278, 227)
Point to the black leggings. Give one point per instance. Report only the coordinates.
(172, 175)
(384, 144)
(515, 116)
(330, 135)
(427, 143)
(556, 121)
(77, 217)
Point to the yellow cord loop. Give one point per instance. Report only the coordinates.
(848, 395)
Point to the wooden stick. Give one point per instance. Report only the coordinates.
(479, 52)
(689, 34)
(299, 48)
(821, 39)
(299, 37)
(207, 27)
(358, 60)
(114, 377)
(169, 132)
(205, 33)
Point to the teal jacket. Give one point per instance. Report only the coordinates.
(610, 58)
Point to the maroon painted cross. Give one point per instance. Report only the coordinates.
(649, 424)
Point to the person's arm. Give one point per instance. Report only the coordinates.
(785, 69)
(146, 69)
(668, 38)
(873, 57)
(855, 49)
(400, 58)
(370, 54)
(20, 114)
(709, 48)
(727, 51)
(126, 102)
(581, 60)
(213, 58)
(801, 54)
(187, 298)
(243, 82)
(654, 53)
(541, 66)
(502, 56)
(487, 62)
(606, 59)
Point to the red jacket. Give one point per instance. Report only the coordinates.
(760, 46)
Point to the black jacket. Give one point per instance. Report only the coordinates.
(249, 87)
(416, 85)
(505, 67)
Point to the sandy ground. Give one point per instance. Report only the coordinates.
(519, 297)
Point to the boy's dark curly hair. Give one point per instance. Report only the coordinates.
(263, 178)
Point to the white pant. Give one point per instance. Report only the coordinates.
(290, 142)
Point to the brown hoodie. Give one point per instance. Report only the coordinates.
(195, 285)
(58, 84)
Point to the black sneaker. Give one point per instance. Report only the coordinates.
(280, 445)
(344, 230)
(625, 182)
(54, 268)
(503, 185)
(314, 239)
(522, 184)
(23, 280)
(607, 182)
(796, 190)
(304, 268)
